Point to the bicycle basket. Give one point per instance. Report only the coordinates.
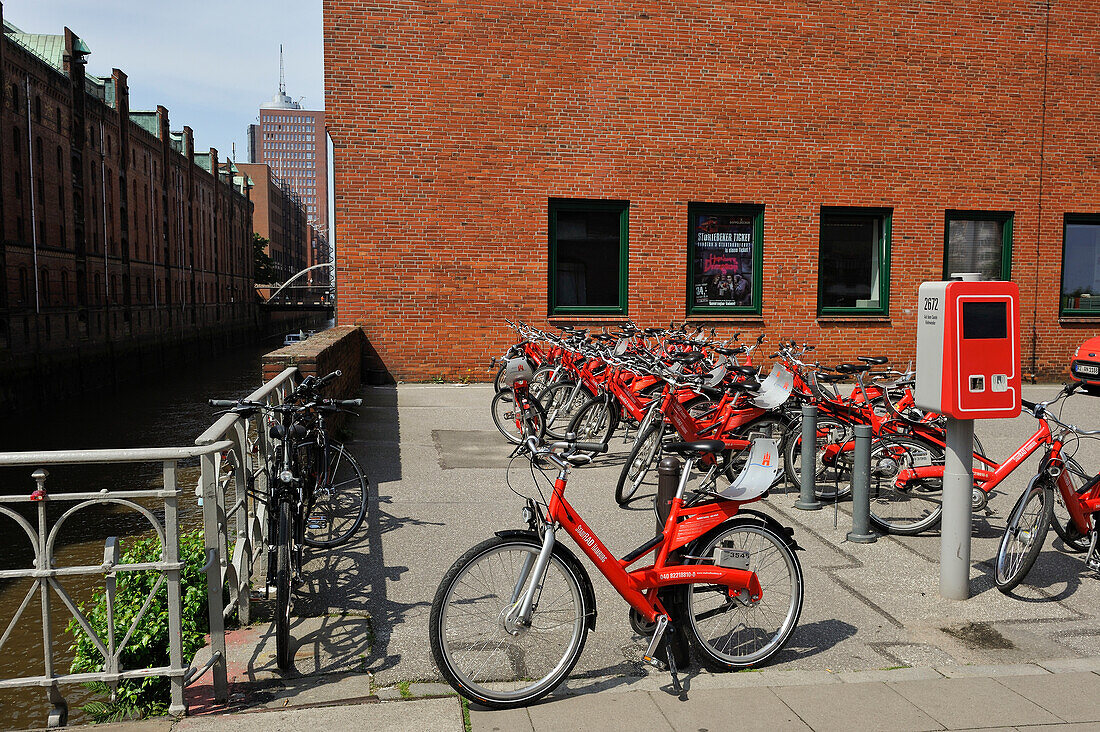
(517, 369)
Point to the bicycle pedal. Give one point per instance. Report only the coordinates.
(317, 523)
(655, 662)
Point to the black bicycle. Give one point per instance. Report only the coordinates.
(316, 493)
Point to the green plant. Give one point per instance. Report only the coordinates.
(148, 646)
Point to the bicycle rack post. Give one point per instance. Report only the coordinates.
(861, 488)
(807, 500)
(958, 486)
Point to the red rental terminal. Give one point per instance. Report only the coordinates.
(968, 367)
(968, 349)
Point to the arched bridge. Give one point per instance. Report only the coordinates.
(302, 296)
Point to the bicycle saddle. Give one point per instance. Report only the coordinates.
(873, 360)
(700, 446)
(688, 359)
(653, 331)
(853, 368)
(730, 351)
(831, 378)
(745, 370)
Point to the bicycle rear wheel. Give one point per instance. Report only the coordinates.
(732, 632)
(339, 502)
(504, 417)
(485, 655)
(916, 506)
(562, 401)
(283, 556)
(1024, 535)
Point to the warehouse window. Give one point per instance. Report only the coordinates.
(588, 257)
(854, 261)
(1081, 265)
(978, 241)
(725, 245)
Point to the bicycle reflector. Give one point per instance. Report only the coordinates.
(517, 370)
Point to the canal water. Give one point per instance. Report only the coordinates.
(167, 409)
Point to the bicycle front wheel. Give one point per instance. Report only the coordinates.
(482, 651)
(1024, 535)
(594, 422)
(730, 633)
(915, 506)
(833, 457)
(642, 459)
(562, 401)
(339, 501)
(283, 557)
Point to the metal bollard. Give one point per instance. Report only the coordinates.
(807, 500)
(861, 488)
(668, 480)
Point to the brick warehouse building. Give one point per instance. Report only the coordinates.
(761, 167)
(115, 231)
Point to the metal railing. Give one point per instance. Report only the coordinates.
(233, 451)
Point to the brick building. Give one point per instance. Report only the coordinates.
(280, 217)
(788, 168)
(292, 141)
(114, 228)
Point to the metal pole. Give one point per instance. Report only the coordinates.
(178, 706)
(213, 541)
(861, 488)
(958, 485)
(807, 500)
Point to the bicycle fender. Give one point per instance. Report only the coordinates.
(749, 515)
(570, 559)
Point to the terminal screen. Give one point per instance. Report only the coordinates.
(985, 319)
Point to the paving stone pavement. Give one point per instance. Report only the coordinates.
(874, 633)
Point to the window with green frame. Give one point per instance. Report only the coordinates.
(588, 257)
(854, 261)
(978, 241)
(725, 252)
(1080, 294)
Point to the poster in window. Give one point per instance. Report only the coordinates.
(723, 260)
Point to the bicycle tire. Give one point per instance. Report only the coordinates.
(338, 508)
(733, 640)
(1025, 532)
(561, 402)
(596, 421)
(916, 507)
(498, 380)
(643, 457)
(540, 380)
(282, 587)
(562, 607)
(829, 430)
(535, 419)
(1061, 522)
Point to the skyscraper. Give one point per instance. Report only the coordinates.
(291, 140)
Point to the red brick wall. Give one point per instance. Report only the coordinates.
(322, 353)
(454, 124)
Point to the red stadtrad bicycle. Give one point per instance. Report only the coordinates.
(511, 616)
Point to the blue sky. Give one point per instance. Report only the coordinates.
(210, 62)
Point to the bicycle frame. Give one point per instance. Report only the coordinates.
(639, 587)
(988, 480)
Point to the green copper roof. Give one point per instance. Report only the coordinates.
(203, 161)
(146, 121)
(50, 49)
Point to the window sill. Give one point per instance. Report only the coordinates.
(572, 319)
(854, 319)
(747, 319)
(1079, 319)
